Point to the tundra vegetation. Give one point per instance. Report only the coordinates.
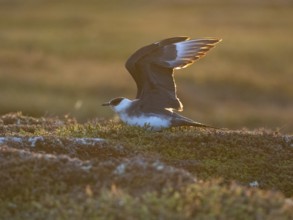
(57, 169)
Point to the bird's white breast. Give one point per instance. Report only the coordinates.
(155, 122)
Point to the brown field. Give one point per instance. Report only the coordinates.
(67, 57)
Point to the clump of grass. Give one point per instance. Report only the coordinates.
(18, 124)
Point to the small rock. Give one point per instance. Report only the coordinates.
(120, 169)
(254, 184)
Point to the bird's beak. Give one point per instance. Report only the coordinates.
(106, 104)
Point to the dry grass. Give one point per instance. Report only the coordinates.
(54, 54)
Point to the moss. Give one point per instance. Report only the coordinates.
(140, 174)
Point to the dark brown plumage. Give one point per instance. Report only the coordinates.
(152, 68)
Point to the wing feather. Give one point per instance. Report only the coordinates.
(152, 69)
(187, 52)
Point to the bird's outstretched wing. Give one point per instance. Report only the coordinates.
(152, 69)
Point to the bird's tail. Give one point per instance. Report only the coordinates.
(183, 121)
(197, 124)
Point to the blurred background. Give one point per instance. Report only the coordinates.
(67, 57)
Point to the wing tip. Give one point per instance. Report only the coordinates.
(208, 40)
(216, 41)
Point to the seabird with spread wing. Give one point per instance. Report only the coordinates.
(152, 68)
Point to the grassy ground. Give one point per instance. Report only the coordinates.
(59, 57)
(182, 173)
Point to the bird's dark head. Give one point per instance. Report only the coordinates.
(113, 102)
(119, 104)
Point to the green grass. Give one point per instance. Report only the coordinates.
(180, 173)
(54, 54)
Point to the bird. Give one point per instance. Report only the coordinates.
(152, 68)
